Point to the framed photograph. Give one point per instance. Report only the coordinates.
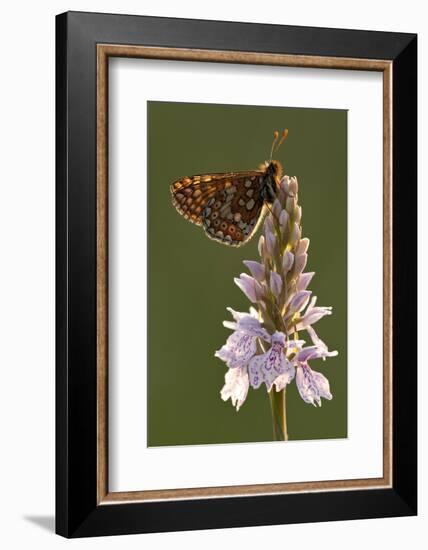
(236, 274)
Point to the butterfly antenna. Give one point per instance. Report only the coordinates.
(283, 138)
(275, 139)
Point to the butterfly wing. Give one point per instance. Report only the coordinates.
(191, 194)
(232, 216)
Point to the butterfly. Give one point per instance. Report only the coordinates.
(229, 206)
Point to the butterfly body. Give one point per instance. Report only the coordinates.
(229, 206)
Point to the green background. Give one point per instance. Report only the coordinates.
(191, 277)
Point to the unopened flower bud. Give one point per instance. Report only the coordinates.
(276, 208)
(257, 269)
(293, 186)
(304, 280)
(303, 245)
(270, 241)
(284, 184)
(300, 264)
(299, 301)
(269, 228)
(249, 286)
(291, 205)
(295, 235)
(287, 261)
(283, 218)
(275, 283)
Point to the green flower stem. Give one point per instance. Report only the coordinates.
(279, 415)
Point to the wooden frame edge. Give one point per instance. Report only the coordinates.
(102, 274)
(104, 51)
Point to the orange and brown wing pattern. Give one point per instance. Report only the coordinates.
(233, 214)
(190, 195)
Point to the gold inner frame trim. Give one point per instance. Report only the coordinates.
(104, 51)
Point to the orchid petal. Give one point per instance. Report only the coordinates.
(275, 283)
(295, 234)
(304, 280)
(283, 218)
(287, 261)
(248, 323)
(293, 185)
(310, 352)
(276, 208)
(257, 269)
(312, 385)
(254, 372)
(268, 366)
(230, 324)
(254, 313)
(315, 315)
(284, 379)
(238, 350)
(290, 204)
(269, 227)
(320, 344)
(248, 285)
(300, 264)
(236, 386)
(298, 214)
(299, 301)
(270, 240)
(284, 183)
(303, 246)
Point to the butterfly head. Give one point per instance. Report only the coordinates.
(272, 176)
(274, 169)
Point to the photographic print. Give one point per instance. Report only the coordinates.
(241, 347)
(230, 275)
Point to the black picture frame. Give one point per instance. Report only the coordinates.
(78, 513)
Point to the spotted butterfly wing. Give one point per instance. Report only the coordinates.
(233, 214)
(229, 206)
